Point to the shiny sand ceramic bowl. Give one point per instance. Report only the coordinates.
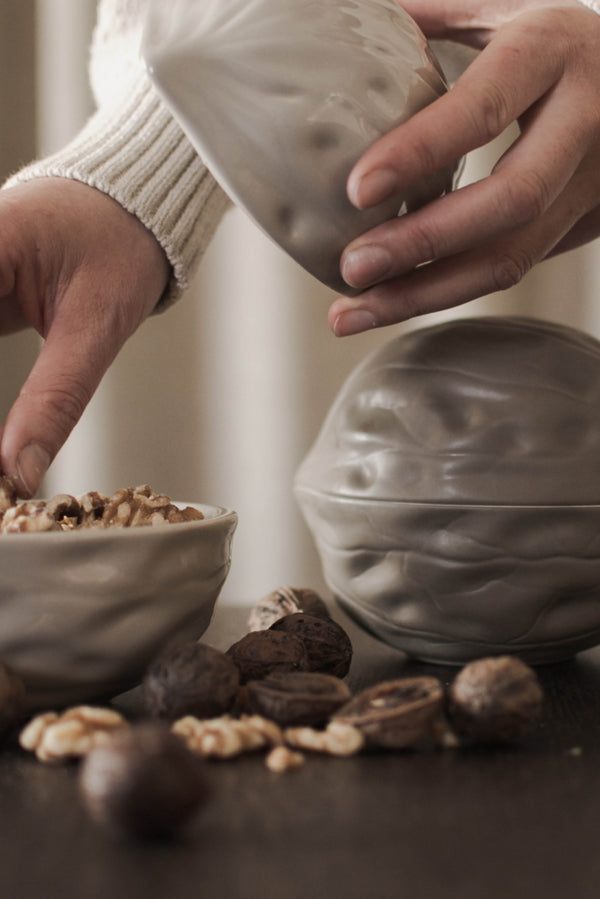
(282, 97)
(82, 613)
(454, 491)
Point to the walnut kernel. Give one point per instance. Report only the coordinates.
(226, 737)
(337, 739)
(73, 733)
(282, 758)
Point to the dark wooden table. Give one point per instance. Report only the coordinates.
(522, 823)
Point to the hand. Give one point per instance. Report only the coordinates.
(84, 273)
(540, 67)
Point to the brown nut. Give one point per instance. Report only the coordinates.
(8, 494)
(328, 647)
(396, 714)
(28, 518)
(294, 698)
(261, 652)
(190, 679)
(286, 601)
(92, 508)
(494, 700)
(63, 505)
(12, 698)
(142, 781)
(175, 515)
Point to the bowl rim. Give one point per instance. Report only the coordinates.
(215, 516)
(440, 504)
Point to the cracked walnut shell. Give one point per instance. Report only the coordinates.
(295, 698)
(396, 714)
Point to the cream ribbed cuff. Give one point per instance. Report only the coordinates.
(592, 4)
(138, 155)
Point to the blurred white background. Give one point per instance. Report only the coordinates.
(219, 399)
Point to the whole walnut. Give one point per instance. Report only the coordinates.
(261, 652)
(142, 781)
(190, 679)
(494, 700)
(327, 645)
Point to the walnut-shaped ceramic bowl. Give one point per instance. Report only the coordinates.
(454, 491)
(83, 612)
(281, 98)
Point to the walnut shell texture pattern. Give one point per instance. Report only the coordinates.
(454, 491)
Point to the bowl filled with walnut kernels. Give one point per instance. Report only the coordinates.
(92, 586)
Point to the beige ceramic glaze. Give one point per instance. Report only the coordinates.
(454, 491)
(82, 613)
(281, 97)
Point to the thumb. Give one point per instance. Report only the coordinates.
(51, 402)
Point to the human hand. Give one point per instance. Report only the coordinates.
(540, 67)
(84, 273)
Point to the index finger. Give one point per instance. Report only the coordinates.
(503, 82)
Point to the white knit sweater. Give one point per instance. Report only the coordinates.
(133, 150)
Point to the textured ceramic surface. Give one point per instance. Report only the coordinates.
(83, 613)
(281, 97)
(454, 491)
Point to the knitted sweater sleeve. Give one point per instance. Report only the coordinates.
(594, 5)
(133, 150)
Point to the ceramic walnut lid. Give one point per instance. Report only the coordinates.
(495, 410)
(281, 98)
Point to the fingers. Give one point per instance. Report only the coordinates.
(84, 273)
(445, 283)
(496, 89)
(52, 400)
(486, 236)
(529, 178)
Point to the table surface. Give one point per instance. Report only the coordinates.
(476, 824)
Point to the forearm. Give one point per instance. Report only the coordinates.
(133, 150)
(138, 155)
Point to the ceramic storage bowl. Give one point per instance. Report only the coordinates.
(281, 97)
(454, 491)
(82, 613)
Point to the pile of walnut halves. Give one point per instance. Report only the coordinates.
(127, 507)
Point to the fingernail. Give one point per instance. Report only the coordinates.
(372, 188)
(32, 464)
(365, 264)
(354, 321)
